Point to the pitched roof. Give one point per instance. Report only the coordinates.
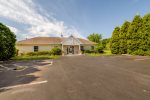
(49, 40)
(71, 40)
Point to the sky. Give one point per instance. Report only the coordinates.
(32, 18)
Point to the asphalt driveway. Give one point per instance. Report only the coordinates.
(90, 78)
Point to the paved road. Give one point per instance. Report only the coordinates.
(90, 78)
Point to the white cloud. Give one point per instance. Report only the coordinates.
(13, 29)
(27, 12)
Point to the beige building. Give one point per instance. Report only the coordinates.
(70, 45)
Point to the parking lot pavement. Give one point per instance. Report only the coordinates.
(90, 78)
(16, 73)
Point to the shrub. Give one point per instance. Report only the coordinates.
(89, 51)
(44, 53)
(31, 54)
(56, 51)
(139, 52)
(17, 52)
(147, 53)
(38, 53)
(82, 51)
(99, 49)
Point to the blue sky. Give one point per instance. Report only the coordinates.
(31, 18)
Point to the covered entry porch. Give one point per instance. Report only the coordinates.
(71, 49)
(71, 46)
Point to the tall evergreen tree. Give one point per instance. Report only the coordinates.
(123, 37)
(114, 41)
(134, 35)
(145, 44)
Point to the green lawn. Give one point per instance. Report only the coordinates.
(106, 53)
(34, 57)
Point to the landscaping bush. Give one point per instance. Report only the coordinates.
(89, 51)
(139, 52)
(44, 53)
(31, 54)
(56, 51)
(99, 49)
(147, 53)
(38, 53)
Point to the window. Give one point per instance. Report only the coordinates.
(55, 46)
(92, 47)
(36, 48)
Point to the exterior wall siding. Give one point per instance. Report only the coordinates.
(24, 49)
(87, 47)
(30, 48)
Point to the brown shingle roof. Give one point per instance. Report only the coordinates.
(49, 40)
(83, 41)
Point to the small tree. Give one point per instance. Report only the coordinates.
(95, 37)
(7, 43)
(56, 51)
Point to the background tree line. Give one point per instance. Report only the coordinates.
(101, 43)
(132, 37)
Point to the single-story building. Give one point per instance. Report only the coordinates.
(70, 45)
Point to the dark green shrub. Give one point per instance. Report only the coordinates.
(56, 51)
(82, 51)
(7, 43)
(44, 53)
(32, 54)
(38, 53)
(17, 52)
(89, 51)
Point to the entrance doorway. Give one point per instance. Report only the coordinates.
(70, 50)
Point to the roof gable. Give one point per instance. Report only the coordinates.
(71, 40)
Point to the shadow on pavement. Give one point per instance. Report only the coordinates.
(12, 77)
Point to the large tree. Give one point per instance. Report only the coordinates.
(7, 43)
(114, 41)
(95, 37)
(145, 34)
(123, 37)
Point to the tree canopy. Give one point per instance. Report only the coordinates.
(7, 43)
(95, 37)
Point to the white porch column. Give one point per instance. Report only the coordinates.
(62, 50)
(79, 50)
